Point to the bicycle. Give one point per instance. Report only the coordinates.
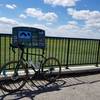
(14, 74)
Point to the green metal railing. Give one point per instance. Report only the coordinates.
(69, 51)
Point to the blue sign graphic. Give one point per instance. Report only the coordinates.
(24, 35)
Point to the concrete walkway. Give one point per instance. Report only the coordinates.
(85, 87)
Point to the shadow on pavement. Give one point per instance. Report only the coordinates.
(31, 93)
(39, 87)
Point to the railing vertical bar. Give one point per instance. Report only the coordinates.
(71, 59)
(9, 49)
(91, 48)
(78, 52)
(73, 52)
(52, 47)
(98, 54)
(75, 47)
(35, 58)
(96, 46)
(86, 55)
(0, 52)
(49, 47)
(30, 56)
(68, 53)
(84, 52)
(61, 50)
(5, 49)
(70, 50)
(45, 47)
(55, 47)
(92, 60)
(90, 52)
(94, 51)
(64, 52)
(27, 54)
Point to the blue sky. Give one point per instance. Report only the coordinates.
(66, 18)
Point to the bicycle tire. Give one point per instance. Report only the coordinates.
(51, 69)
(7, 82)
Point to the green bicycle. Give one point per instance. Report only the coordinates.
(14, 74)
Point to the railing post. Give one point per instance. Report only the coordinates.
(98, 54)
(68, 53)
(0, 51)
(27, 54)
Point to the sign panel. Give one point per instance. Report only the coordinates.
(29, 37)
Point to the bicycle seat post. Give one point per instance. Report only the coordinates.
(21, 47)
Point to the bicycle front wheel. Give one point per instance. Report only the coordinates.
(11, 77)
(52, 69)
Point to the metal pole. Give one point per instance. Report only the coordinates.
(27, 54)
(98, 54)
(68, 53)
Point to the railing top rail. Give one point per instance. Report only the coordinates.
(72, 38)
(3, 34)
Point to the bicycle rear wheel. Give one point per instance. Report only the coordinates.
(52, 69)
(11, 80)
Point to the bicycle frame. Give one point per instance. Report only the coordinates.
(26, 62)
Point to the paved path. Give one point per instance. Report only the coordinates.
(70, 88)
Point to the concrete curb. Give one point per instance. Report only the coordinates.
(80, 70)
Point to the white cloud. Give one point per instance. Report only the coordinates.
(6, 24)
(71, 29)
(41, 26)
(8, 21)
(90, 18)
(37, 13)
(22, 16)
(83, 14)
(11, 6)
(74, 31)
(64, 3)
(70, 26)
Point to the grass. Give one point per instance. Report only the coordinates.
(80, 51)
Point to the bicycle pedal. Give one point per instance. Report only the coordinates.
(51, 69)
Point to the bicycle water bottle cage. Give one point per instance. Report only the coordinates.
(35, 66)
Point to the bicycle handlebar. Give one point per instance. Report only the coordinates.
(20, 46)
